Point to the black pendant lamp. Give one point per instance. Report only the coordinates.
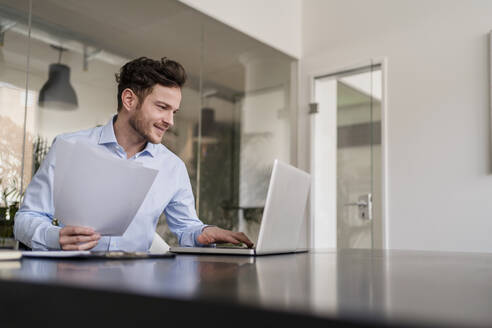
(57, 92)
(208, 127)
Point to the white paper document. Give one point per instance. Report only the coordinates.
(55, 253)
(94, 189)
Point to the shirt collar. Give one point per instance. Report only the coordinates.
(150, 148)
(107, 133)
(108, 137)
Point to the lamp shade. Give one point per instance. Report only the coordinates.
(208, 127)
(57, 92)
(208, 122)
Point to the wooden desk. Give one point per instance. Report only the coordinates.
(346, 287)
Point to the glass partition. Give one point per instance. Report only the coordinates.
(17, 130)
(237, 112)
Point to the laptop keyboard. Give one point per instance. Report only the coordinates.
(240, 246)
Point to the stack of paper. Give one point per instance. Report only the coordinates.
(94, 189)
(55, 254)
(8, 255)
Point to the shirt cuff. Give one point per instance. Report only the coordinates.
(52, 237)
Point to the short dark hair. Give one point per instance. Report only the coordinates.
(141, 74)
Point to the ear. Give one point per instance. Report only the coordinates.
(129, 99)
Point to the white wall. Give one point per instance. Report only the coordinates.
(440, 181)
(324, 187)
(274, 22)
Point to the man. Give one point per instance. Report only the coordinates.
(149, 95)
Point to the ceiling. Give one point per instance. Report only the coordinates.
(152, 28)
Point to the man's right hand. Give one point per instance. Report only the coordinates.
(78, 238)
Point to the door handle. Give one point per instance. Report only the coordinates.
(356, 204)
(365, 206)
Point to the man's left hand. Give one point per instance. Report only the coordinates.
(212, 235)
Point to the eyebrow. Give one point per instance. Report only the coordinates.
(159, 102)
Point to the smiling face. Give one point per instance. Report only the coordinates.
(155, 115)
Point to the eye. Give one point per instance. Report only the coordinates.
(162, 107)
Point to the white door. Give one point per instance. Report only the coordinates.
(346, 159)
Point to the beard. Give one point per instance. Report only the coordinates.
(138, 123)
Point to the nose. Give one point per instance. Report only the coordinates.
(169, 119)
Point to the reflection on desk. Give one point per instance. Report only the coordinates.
(347, 286)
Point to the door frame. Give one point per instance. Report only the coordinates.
(330, 230)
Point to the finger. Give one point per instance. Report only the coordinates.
(72, 230)
(242, 237)
(89, 245)
(202, 239)
(80, 247)
(231, 239)
(209, 239)
(64, 240)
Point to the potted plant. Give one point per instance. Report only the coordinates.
(9, 205)
(4, 203)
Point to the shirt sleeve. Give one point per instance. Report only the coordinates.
(181, 214)
(33, 222)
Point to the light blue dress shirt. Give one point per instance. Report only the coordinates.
(170, 193)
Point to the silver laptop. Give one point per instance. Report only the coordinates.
(282, 216)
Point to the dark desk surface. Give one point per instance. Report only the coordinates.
(345, 286)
